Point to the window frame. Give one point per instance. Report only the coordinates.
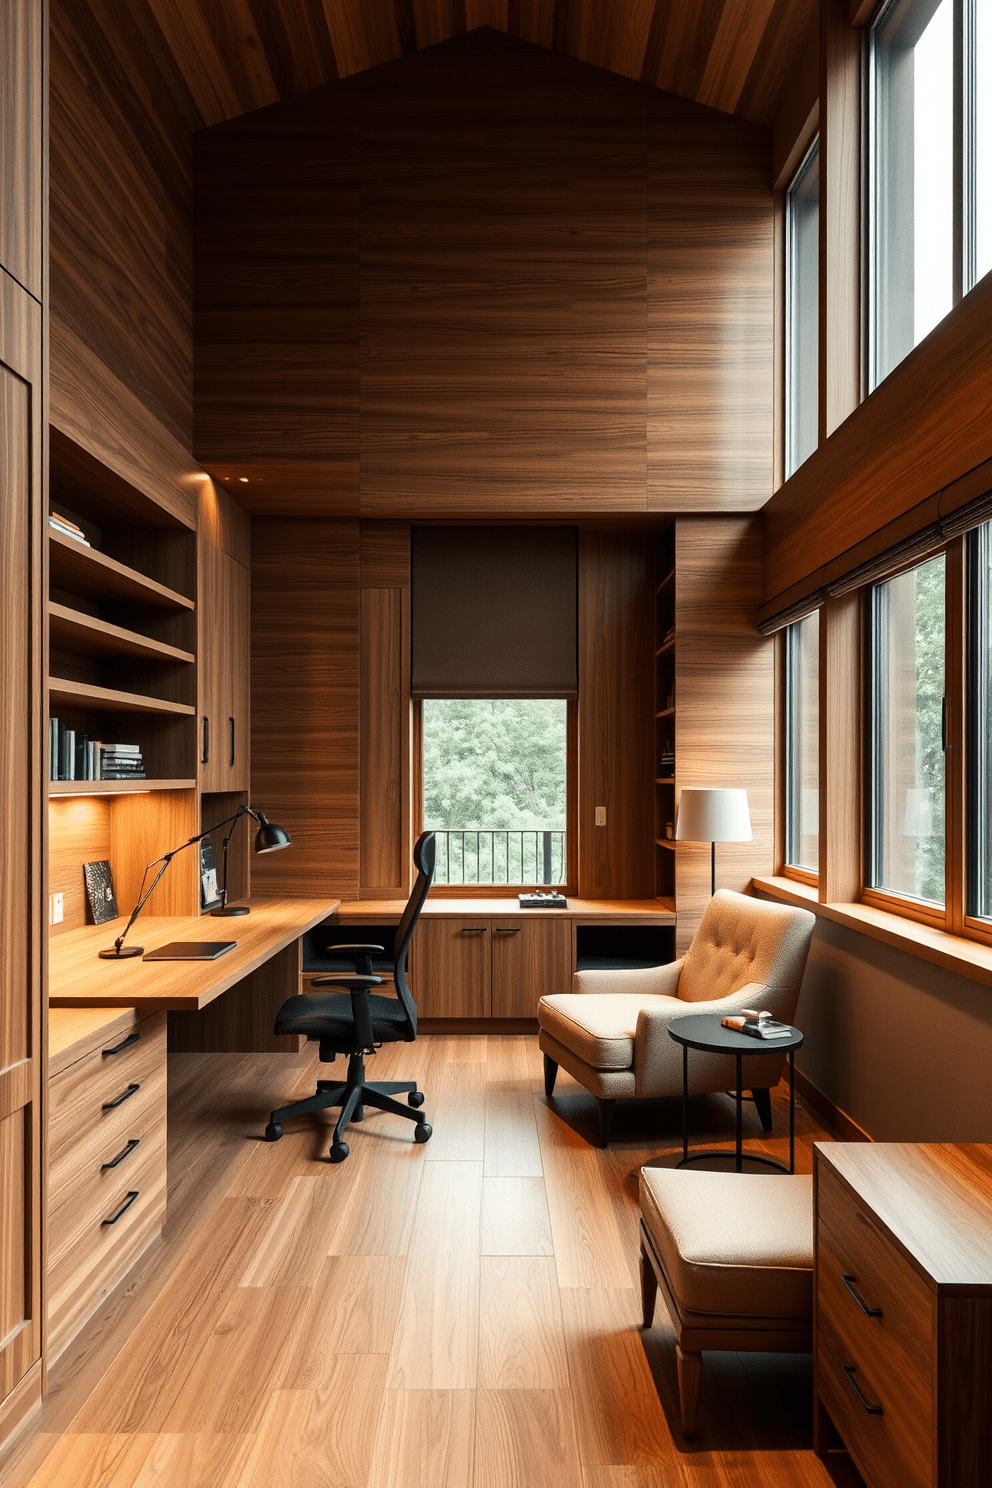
(789, 646)
(506, 891)
(790, 459)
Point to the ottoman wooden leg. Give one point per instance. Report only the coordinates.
(649, 1288)
(690, 1368)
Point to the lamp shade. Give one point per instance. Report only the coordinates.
(713, 815)
(270, 837)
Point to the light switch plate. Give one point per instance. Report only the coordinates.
(58, 908)
(601, 816)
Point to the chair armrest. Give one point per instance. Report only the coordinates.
(652, 981)
(658, 1058)
(335, 948)
(352, 981)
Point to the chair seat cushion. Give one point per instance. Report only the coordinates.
(598, 1027)
(733, 1244)
(330, 1017)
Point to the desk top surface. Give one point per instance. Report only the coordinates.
(78, 978)
(369, 911)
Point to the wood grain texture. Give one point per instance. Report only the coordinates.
(22, 110)
(709, 311)
(724, 700)
(529, 961)
(840, 217)
(385, 731)
(451, 968)
(616, 701)
(306, 700)
(841, 865)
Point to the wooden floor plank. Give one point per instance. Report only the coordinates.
(320, 1437)
(425, 1439)
(353, 1310)
(525, 1439)
(459, 1115)
(195, 1461)
(515, 1218)
(90, 1460)
(521, 1339)
(589, 1247)
(513, 1148)
(633, 1477)
(377, 1213)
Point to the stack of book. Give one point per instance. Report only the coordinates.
(757, 1025)
(74, 755)
(121, 762)
(69, 529)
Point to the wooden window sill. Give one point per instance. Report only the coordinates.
(969, 958)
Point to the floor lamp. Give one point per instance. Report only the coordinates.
(713, 815)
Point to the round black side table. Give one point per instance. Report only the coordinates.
(706, 1032)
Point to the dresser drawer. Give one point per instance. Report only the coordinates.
(82, 1098)
(130, 1116)
(99, 1197)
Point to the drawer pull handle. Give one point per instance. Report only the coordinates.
(123, 1209)
(122, 1155)
(509, 929)
(868, 1311)
(112, 1105)
(473, 930)
(850, 1371)
(119, 1048)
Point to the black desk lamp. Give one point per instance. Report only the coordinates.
(268, 838)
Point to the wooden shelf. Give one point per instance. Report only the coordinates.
(93, 575)
(73, 631)
(668, 646)
(666, 713)
(63, 693)
(664, 780)
(664, 842)
(114, 787)
(668, 580)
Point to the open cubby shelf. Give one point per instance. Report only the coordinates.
(66, 694)
(71, 630)
(114, 787)
(92, 575)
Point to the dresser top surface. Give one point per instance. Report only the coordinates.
(934, 1199)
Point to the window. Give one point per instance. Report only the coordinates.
(495, 789)
(979, 673)
(930, 125)
(802, 744)
(802, 249)
(906, 735)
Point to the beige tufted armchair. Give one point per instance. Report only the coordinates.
(611, 1031)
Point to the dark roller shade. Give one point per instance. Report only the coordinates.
(494, 611)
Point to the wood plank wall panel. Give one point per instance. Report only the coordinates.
(710, 230)
(276, 307)
(121, 210)
(724, 700)
(305, 702)
(385, 805)
(869, 470)
(22, 24)
(616, 707)
(503, 284)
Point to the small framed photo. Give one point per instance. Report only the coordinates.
(100, 896)
(209, 893)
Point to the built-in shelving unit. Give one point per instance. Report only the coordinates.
(114, 787)
(665, 642)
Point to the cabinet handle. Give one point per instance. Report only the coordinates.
(121, 1155)
(123, 1209)
(205, 755)
(868, 1311)
(231, 722)
(119, 1048)
(850, 1372)
(112, 1105)
(473, 930)
(508, 929)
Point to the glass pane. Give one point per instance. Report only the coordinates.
(802, 829)
(907, 819)
(912, 166)
(983, 137)
(802, 310)
(980, 722)
(496, 788)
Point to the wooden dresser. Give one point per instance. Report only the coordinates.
(107, 1172)
(903, 1312)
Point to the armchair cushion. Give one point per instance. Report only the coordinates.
(600, 1027)
(742, 940)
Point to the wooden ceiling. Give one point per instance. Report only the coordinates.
(226, 57)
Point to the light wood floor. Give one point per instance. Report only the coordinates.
(457, 1315)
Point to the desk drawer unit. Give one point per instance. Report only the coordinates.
(107, 1189)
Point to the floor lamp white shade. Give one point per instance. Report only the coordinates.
(712, 814)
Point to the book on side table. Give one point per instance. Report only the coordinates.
(756, 1025)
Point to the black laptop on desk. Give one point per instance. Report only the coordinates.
(190, 950)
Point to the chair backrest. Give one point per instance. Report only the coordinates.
(423, 861)
(743, 940)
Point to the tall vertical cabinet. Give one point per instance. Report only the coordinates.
(23, 31)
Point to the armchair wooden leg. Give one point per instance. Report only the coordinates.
(550, 1075)
(690, 1370)
(649, 1289)
(606, 1109)
(763, 1106)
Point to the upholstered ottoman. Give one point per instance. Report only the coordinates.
(733, 1256)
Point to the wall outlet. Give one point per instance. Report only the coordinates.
(601, 816)
(58, 908)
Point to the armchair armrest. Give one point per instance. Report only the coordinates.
(651, 981)
(658, 1058)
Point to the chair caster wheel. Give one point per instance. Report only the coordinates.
(415, 1098)
(273, 1131)
(339, 1151)
(422, 1132)
(358, 1114)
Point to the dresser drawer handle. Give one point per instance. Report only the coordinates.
(508, 929)
(868, 1311)
(112, 1105)
(850, 1371)
(123, 1209)
(119, 1048)
(126, 1152)
(473, 930)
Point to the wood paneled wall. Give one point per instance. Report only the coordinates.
(385, 785)
(22, 113)
(485, 279)
(305, 702)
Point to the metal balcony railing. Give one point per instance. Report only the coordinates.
(477, 855)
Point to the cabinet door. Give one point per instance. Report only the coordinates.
(213, 663)
(238, 592)
(450, 974)
(530, 958)
(22, 25)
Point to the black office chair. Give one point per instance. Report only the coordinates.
(356, 1022)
